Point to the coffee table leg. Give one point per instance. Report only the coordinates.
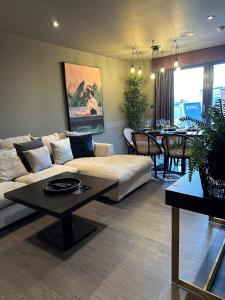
(67, 224)
(68, 231)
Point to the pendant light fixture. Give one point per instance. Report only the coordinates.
(162, 69)
(140, 61)
(175, 52)
(132, 69)
(155, 54)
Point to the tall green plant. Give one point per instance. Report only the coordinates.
(136, 103)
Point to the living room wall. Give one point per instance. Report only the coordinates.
(32, 92)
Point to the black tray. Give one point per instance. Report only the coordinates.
(62, 185)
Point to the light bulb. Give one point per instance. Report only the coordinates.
(162, 70)
(132, 70)
(152, 76)
(139, 72)
(55, 24)
(178, 68)
(176, 63)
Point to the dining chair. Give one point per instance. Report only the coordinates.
(127, 134)
(176, 146)
(146, 144)
(174, 126)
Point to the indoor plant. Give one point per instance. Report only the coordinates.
(208, 151)
(136, 103)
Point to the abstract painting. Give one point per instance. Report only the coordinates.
(84, 98)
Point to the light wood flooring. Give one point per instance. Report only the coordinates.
(128, 258)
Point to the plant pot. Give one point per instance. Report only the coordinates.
(216, 164)
(212, 187)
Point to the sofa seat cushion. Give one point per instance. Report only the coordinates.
(54, 170)
(116, 167)
(7, 187)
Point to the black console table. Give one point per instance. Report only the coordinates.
(189, 195)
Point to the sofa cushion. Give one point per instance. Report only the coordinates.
(20, 148)
(103, 149)
(54, 170)
(10, 165)
(76, 133)
(61, 151)
(119, 167)
(82, 146)
(48, 139)
(7, 187)
(8, 142)
(38, 159)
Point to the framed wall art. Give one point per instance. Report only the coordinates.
(84, 98)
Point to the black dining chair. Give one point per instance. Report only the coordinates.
(176, 146)
(146, 144)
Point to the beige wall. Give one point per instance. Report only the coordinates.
(149, 89)
(32, 93)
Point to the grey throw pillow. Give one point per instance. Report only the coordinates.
(38, 159)
(20, 148)
(61, 151)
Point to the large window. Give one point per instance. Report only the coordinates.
(218, 82)
(188, 93)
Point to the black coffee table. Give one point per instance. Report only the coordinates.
(70, 229)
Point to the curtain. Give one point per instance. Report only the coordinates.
(207, 89)
(164, 95)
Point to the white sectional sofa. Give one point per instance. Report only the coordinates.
(131, 171)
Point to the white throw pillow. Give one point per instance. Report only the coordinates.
(38, 159)
(61, 151)
(8, 142)
(11, 166)
(48, 139)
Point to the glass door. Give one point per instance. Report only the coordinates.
(188, 93)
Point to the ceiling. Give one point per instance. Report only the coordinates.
(112, 27)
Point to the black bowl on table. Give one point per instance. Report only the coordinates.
(62, 185)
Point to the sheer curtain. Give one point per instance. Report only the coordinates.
(164, 95)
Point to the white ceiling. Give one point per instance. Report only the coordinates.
(112, 27)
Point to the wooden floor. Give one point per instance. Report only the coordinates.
(128, 258)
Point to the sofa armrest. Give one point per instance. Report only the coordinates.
(102, 149)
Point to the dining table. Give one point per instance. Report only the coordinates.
(164, 132)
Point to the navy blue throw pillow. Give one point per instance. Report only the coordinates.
(82, 145)
(34, 144)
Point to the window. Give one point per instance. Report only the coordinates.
(218, 82)
(188, 93)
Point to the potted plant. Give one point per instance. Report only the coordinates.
(136, 103)
(208, 151)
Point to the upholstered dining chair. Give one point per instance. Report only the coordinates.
(127, 134)
(176, 146)
(146, 144)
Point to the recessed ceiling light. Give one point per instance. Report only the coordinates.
(220, 28)
(186, 34)
(55, 24)
(210, 17)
